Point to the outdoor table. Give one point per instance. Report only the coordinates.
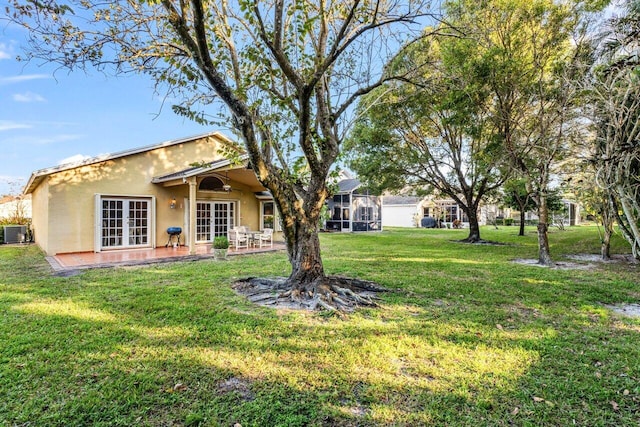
(253, 236)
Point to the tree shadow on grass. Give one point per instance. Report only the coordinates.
(156, 351)
(407, 365)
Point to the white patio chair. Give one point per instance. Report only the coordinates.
(238, 239)
(266, 237)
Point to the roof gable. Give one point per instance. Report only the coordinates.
(348, 185)
(36, 177)
(197, 170)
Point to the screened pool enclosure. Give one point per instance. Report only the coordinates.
(353, 208)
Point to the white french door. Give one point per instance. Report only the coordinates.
(125, 223)
(213, 219)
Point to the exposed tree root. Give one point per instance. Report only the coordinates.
(554, 265)
(334, 293)
(479, 242)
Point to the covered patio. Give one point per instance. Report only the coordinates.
(213, 198)
(85, 260)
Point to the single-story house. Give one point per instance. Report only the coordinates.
(569, 216)
(408, 211)
(130, 199)
(400, 211)
(353, 208)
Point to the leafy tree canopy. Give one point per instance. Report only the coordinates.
(286, 71)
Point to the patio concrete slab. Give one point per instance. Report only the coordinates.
(85, 260)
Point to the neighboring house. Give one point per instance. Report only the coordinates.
(400, 211)
(571, 213)
(407, 211)
(129, 199)
(15, 207)
(569, 216)
(352, 208)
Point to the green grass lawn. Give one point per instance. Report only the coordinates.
(467, 338)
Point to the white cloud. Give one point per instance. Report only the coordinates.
(73, 159)
(23, 78)
(28, 97)
(9, 125)
(4, 52)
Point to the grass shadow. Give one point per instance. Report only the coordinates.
(468, 339)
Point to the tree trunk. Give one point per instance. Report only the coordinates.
(474, 226)
(605, 249)
(544, 252)
(303, 246)
(633, 234)
(522, 216)
(607, 225)
(300, 221)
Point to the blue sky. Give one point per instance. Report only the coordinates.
(49, 116)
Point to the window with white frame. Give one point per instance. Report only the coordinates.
(450, 213)
(269, 217)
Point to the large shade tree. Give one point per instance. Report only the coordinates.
(286, 71)
(508, 94)
(434, 131)
(533, 52)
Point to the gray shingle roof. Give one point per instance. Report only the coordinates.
(400, 200)
(348, 185)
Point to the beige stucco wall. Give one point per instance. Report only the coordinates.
(64, 204)
(40, 218)
(243, 196)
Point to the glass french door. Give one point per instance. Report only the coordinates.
(125, 223)
(203, 222)
(213, 219)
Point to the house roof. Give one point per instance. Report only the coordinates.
(348, 185)
(197, 170)
(263, 195)
(36, 177)
(401, 200)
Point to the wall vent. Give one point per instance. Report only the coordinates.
(15, 233)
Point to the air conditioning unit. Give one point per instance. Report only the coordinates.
(15, 233)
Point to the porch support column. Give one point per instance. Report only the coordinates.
(192, 215)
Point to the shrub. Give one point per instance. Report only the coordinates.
(220, 242)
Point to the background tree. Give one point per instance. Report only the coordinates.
(432, 132)
(557, 208)
(615, 101)
(596, 203)
(533, 58)
(517, 196)
(286, 71)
